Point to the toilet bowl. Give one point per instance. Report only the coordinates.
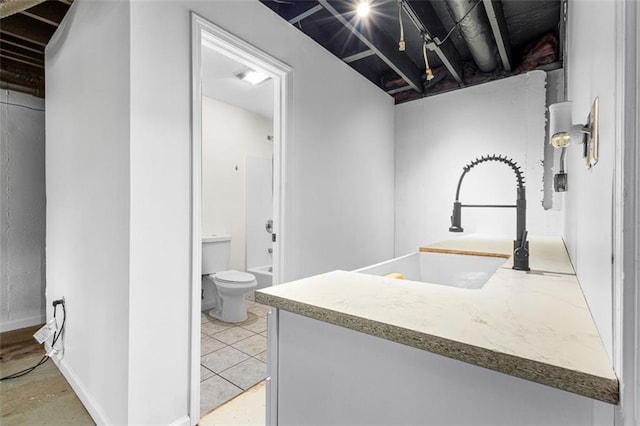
(223, 289)
(229, 290)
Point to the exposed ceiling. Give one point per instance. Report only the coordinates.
(26, 26)
(467, 41)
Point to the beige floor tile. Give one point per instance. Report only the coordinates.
(264, 333)
(222, 359)
(246, 374)
(260, 311)
(233, 335)
(205, 373)
(252, 345)
(209, 344)
(214, 392)
(262, 356)
(257, 326)
(251, 318)
(211, 328)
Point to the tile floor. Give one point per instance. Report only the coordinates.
(247, 409)
(233, 356)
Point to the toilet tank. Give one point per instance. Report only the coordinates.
(215, 253)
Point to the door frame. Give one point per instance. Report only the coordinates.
(204, 33)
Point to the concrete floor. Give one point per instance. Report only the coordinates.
(43, 396)
(40, 397)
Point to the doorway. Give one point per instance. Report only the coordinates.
(209, 40)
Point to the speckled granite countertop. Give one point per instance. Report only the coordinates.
(534, 325)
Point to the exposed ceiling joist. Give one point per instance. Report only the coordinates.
(500, 31)
(25, 28)
(306, 14)
(424, 17)
(20, 58)
(358, 56)
(385, 49)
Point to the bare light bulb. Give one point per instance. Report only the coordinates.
(561, 139)
(363, 8)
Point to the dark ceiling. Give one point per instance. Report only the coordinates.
(467, 41)
(25, 29)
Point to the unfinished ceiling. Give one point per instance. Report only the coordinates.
(466, 42)
(25, 29)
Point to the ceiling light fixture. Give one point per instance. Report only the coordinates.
(363, 8)
(252, 76)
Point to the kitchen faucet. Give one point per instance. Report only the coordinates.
(520, 245)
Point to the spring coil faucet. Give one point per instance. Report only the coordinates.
(520, 245)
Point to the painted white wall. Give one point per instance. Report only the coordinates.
(22, 211)
(591, 33)
(230, 135)
(259, 210)
(118, 163)
(437, 136)
(87, 175)
(339, 178)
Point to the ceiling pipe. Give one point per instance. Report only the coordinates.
(476, 31)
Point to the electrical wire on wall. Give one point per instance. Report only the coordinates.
(53, 350)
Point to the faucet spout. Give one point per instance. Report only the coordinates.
(520, 244)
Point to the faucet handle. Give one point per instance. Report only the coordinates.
(521, 254)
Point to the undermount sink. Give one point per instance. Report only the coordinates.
(453, 270)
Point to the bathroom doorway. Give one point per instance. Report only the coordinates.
(239, 140)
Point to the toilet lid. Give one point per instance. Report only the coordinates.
(234, 276)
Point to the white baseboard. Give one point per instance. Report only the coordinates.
(21, 323)
(94, 411)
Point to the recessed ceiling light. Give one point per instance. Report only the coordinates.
(363, 8)
(252, 76)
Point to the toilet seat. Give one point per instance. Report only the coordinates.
(232, 276)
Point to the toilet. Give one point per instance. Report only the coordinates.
(223, 290)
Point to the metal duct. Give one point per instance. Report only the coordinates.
(476, 31)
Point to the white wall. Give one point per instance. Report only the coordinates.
(438, 135)
(118, 169)
(229, 135)
(340, 179)
(87, 175)
(259, 211)
(22, 211)
(591, 61)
